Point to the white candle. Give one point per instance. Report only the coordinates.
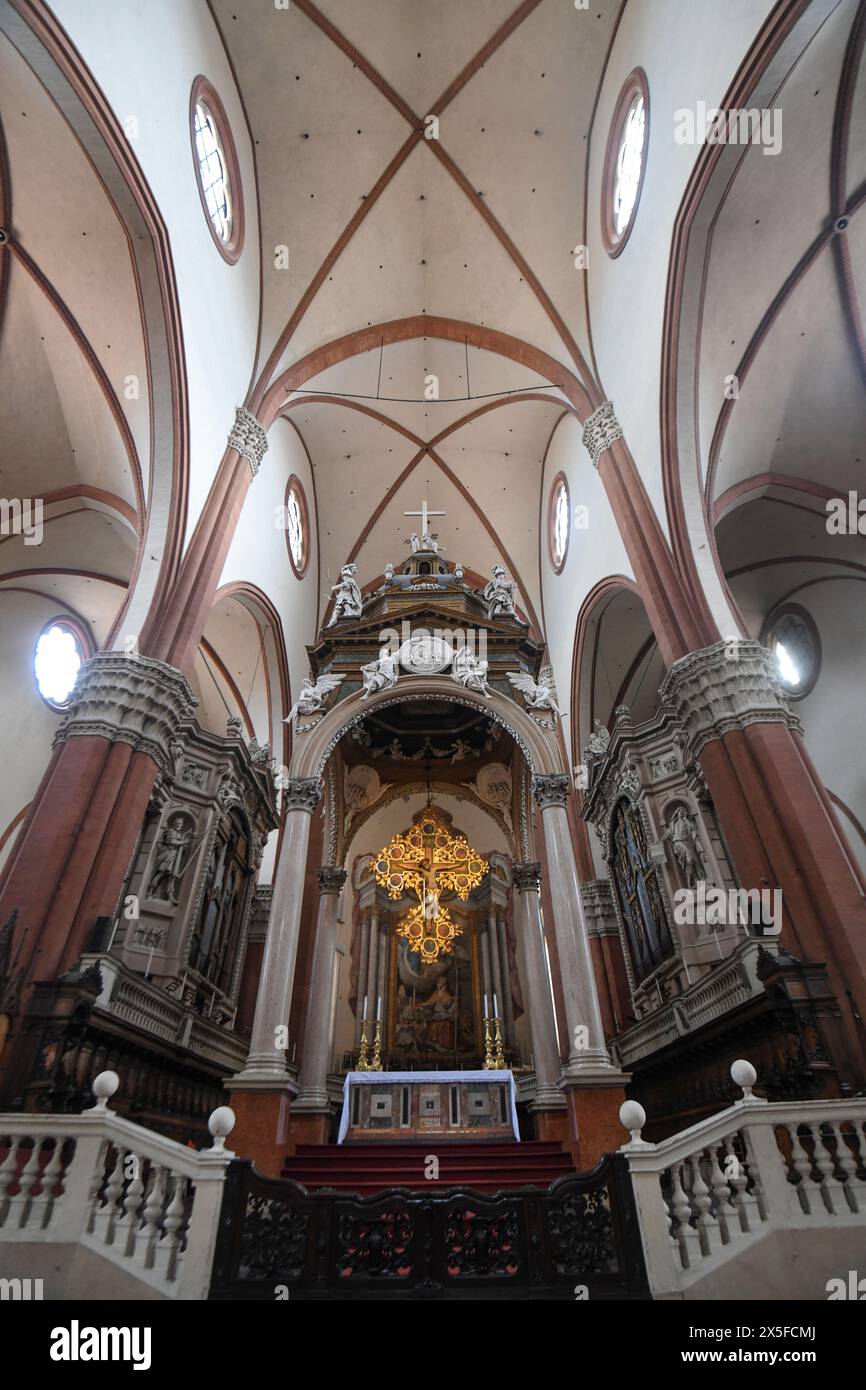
(486, 1014)
(364, 1010)
(495, 1007)
(379, 1009)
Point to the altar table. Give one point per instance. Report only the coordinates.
(412, 1105)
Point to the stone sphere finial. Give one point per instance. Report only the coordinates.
(104, 1087)
(632, 1117)
(221, 1124)
(744, 1075)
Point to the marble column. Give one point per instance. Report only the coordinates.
(508, 1002)
(588, 1054)
(313, 1079)
(536, 980)
(363, 962)
(266, 1061)
(495, 968)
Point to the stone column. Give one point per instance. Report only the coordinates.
(508, 1003)
(778, 822)
(266, 1062)
(587, 1049)
(494, 963)
(317, 1036)
(536, 980)
(363, 962)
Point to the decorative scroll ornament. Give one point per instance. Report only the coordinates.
(249, 438)
(600, 431)
(425, 862)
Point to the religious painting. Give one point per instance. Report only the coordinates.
(643, 916)
(433, 1011)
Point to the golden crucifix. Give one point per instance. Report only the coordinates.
(428, 861)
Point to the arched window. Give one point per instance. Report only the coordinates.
(59, 652)
(643, 916)
(792, 637)
(216, 935)
(216, 168)
(559, 522)
(297, 527)
(625, 162)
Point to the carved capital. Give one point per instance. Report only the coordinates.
(301, 793)
(600, 431)
(126, 698)
(551, 790)
(331, 878)
(724, 687)
(527, 877)
(249, 438)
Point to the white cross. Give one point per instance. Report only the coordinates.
(424, 514)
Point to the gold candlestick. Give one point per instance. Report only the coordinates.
(488, 1050)
(376, 1064)
(498, 1054)
(363, 1056)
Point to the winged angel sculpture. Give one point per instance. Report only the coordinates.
(535, 696)
(312, 697)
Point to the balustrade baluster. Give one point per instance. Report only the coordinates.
(853, 1187)
(726, 1214)
(807, 1188)
(40, 1211)
(685, 1234)
(706, 1224)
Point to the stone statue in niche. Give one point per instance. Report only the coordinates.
(682, 831)
(380, 674)
(173, 856)
(347, 595)
(499, 593)
(599, 742)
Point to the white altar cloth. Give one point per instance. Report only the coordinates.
(416, 1078)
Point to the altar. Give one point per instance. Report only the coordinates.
(414, 1105)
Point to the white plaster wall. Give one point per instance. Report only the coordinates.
(689, 52)
(145, 57)
(593, 554)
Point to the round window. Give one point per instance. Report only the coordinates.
(792, 637)
(559, 522)
(297, 527)
(57, 659)
(216, 168)
(625, 162)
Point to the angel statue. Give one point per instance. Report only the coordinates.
(535, 696)
(380, 674)
(312, 697)
(498, 593)
(469, 672)
(414, 542)
(347, 600)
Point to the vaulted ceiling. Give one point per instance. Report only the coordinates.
(381, 223)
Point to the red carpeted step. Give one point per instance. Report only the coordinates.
(370, 1167)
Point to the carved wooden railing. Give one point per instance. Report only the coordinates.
(579, 1238)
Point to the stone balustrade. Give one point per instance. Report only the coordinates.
(752, 1171)
(144, 1203)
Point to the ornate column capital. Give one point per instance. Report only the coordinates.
(127, 698)
(301, 793)
(527, 877)
(724, 687)
(331, 878)
(550, 790)
(249, 437)
(600, 431)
